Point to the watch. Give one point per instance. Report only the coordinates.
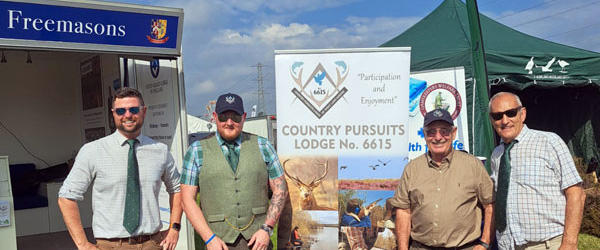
(484, 245)
(176, 226)
(267, 229)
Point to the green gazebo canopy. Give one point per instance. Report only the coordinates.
(559, 84)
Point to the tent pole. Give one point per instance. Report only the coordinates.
(484, 136)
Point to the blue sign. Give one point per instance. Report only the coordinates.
(51, 23)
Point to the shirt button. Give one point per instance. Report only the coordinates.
(438, 189)
(436, 206)
(440, 171)
(238, 203)
(237, 191)
(239, 216)
(435, 224)
(435, 241)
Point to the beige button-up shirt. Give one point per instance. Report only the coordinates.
(443, 199)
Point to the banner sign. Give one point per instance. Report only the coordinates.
(342, 126)
(91, 25)
(429, 90)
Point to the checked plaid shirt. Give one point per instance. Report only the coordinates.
(356, 236)
(192, 162)
(541, 169)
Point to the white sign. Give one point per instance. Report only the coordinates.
(156, 85)
(155, 81)
(340, 102)
(443, 88)
(341, 131)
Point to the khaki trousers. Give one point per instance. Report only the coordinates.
(551, 244)
(153, 244)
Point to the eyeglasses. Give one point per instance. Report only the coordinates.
(445, 132)
(233, 116)
(132, 110)
(509, 113)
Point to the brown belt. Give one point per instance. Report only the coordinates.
(465, 246)
(138, 239)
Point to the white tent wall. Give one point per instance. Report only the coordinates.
(40, 103)
(41, 106)
(196, 125)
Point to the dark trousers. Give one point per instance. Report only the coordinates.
(242, 244)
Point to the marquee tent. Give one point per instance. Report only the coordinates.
(559, 84)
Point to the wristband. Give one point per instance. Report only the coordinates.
(209, 239)
(484, 245)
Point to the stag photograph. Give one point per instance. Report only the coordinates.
(366, 220)
(311, 182)
(370, 172)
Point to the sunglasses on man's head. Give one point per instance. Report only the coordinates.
(509, 113)
(233, 116)
(132, 110)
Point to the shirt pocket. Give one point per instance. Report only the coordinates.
(533, 171)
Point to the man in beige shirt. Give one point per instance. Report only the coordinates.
(440, 193)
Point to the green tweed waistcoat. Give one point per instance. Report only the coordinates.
(233, 203)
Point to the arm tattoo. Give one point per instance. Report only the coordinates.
(279, 187)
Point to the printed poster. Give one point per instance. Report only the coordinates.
(433, 89)
(342, 126)
(91, 99)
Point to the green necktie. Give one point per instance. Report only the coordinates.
(232, 157)
(131, 216)
(502, 192)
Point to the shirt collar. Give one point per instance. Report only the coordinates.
(238, 141)
(447, 159)
(521, 136)
(122, 140)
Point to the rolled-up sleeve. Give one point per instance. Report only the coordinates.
(171, 176)
(80, 177)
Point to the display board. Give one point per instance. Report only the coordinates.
(439, 88)
(342, 133)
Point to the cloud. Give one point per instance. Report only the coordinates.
(278, 32)
(203, 88)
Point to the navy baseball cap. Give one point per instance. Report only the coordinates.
(231, 102)
(438, 115)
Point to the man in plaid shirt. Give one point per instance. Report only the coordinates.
(539, 198)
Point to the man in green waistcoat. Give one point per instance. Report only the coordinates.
(230, 170)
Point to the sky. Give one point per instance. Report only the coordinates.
(361, 167)
(224, 40)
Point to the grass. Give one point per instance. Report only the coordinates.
(588, 242)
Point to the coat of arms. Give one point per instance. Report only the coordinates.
(158, 32)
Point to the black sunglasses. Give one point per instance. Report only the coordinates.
(233, 116)
(509, 113)
(445, 132)
(132, 110)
